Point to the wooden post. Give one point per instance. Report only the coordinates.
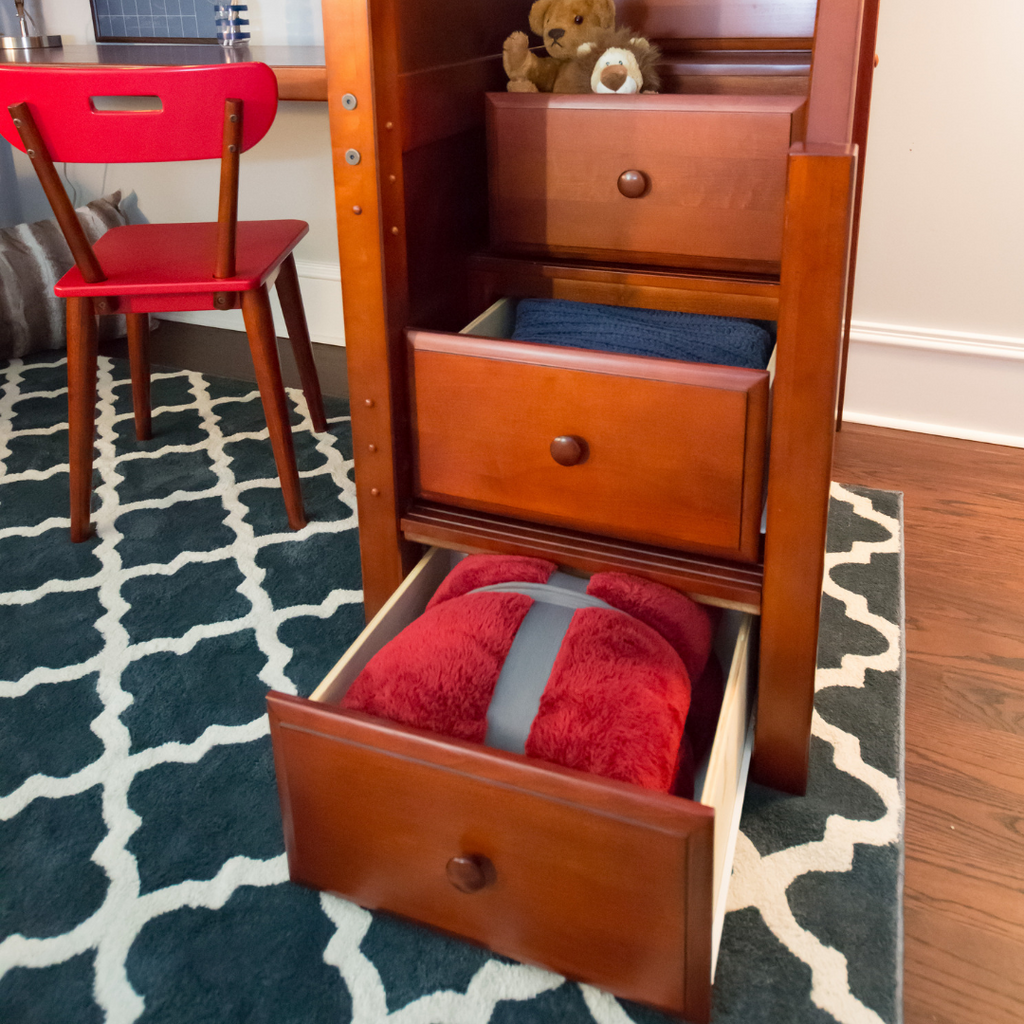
(816, 246)
(298, 334)
(366, 152)
(259, 325)
(82, 342)
(861, 117)
(227, 209)
(138, 359)
(74, 235)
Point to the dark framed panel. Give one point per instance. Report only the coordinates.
(154, 21)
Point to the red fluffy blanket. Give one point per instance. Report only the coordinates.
(619, 700)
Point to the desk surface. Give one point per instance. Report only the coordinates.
(300, 70)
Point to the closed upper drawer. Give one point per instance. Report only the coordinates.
(654, 450)
(705, 176)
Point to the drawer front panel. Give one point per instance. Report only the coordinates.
(675, 462)
(595, 881)
(713, 174)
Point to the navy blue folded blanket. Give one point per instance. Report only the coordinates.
(644, 332)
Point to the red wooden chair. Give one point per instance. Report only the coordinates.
(57, 114)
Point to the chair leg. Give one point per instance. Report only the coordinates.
(298, 333)
(138, 356)
(82, 341)
(259, 325)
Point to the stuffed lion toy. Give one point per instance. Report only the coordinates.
(616, 61)
(563, 25)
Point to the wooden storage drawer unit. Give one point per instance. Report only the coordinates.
(599, 880)
(708, 183)
(668, 453)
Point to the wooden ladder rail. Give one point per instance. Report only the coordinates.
(813, 317)
(368, 203)
(812, 311)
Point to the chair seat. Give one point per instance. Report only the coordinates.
(176, 259)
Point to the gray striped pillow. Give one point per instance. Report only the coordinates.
(33, 258)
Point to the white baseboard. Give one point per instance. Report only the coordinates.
(948, 383)
(320, 284)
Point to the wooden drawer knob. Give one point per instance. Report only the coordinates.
(633, 184)
(568, 450)
(471, 872)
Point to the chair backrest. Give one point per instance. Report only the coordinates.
(71, 108)
(129, 115)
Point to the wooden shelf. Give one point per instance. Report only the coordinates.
(716, 581)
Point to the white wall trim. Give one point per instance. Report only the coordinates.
(319, 271)
(950, 383)
(940, 429)
(993, 345)
(320, 284)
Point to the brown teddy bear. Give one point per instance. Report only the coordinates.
(615, 61)
(563, 25)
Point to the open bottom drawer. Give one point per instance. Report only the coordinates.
(598, 880)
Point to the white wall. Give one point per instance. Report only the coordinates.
(938, 340)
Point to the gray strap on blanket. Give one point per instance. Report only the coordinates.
(531, 657)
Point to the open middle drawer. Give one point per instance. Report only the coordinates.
(659, 451)
(600, 880)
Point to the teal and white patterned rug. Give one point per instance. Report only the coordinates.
(142, 873)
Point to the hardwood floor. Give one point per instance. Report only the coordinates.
(964, 554)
